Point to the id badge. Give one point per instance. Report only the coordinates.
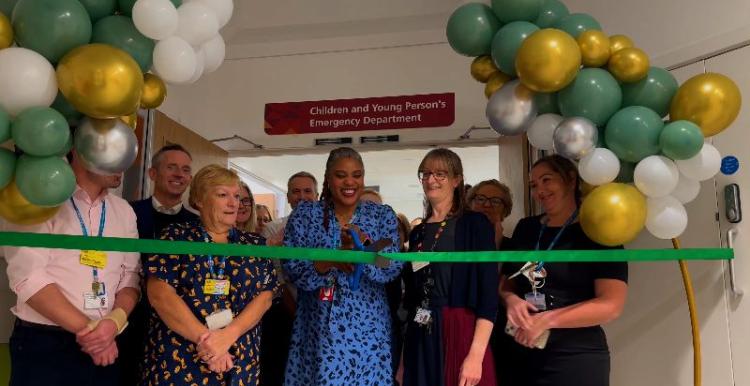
(326, 294)
(216, 287)
(538, 300)
(423, 317)
(417, 265)
(92, 301)
(95, 259)
(219, 319)
(98, 288)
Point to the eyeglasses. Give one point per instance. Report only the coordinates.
(482, 200)
(265, 219)
(425, 175)
(246, 202)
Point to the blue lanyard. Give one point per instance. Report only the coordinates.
(557, 236)
(85, 232)
(222, 259)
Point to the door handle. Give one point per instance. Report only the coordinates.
(736, 291)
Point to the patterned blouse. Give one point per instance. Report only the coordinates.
(170, 358)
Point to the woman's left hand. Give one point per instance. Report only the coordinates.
(215, 343)
(539, 324)
(471, 370)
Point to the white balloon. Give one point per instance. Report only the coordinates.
(656, 176)
(197, 23)
(703, 165)
(222, 8)
(199, 66)
(27, 79)
(599, 167)
(541, 130)
(213, 52)
(156, 19)
(666, 218)
(174, 60)
(687, 189)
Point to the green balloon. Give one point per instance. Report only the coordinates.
(40, 131)
(471, 28)
(51, 27)
(627, 169)
(66, 109)
(6, 7)
(126, 6)
(577, 23)
(66, 149)
(517, 10)
(655, 91)
(681, 140)
(552, 11)
(633, 133)
(594, 94)
(4, 125)
(44, 181)
(506, 43)
(120, 32)
(546, 103)
(7, 167)
(98, 9)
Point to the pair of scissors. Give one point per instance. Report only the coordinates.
(380, 262)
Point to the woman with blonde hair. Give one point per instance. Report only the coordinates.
(246, 218)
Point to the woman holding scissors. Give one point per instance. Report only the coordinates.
(554, 310)
(342, 330)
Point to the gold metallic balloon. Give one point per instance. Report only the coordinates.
(154, 91)
(482, 68)
(629, 65)
(100, 81)
(496, 80)
(130, 120)
(618, 42)
(16, 209)
(6, 32)
(594, 48)
(548, 60)
(613, 214)
(711, 101)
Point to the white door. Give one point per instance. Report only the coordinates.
(651, 343)
(735, 141)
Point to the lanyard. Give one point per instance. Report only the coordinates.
(85, 232)
(556, 238)
(222, 259)
(438, 233)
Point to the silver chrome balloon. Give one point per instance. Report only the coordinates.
(511, 109)
(575, 137)
(105, 146)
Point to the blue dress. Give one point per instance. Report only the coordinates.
(346, 341)
(170, 358)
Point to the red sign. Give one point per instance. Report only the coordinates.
(382, 113)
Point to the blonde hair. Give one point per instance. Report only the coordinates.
(372, 192)
(252, 222)
(208, 177)
(506, 197)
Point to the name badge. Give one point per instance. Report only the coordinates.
(92, 301)
(417, 265)
(538, 300)
(216, 287)
(219, 319)
(326, 294)
(95, 259)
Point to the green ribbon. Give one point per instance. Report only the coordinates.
(119, 244)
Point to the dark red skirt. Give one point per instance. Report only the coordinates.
(457, 333)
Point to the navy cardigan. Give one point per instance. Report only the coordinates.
(473, 285)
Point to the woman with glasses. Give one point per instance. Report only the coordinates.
(246, 220)
(263, 215)
(492, 198)
(342, 329)
(554, 310)
(451, 306)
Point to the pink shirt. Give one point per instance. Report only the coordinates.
(31, 269)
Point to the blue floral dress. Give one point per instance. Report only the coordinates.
(346, 341)
(173, 360)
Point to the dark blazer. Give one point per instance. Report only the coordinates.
(473, 285)
(145, 212)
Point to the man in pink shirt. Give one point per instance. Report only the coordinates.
(71, 304)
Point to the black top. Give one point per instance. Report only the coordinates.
(440, 272)
(566, 283)
(472, 285)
